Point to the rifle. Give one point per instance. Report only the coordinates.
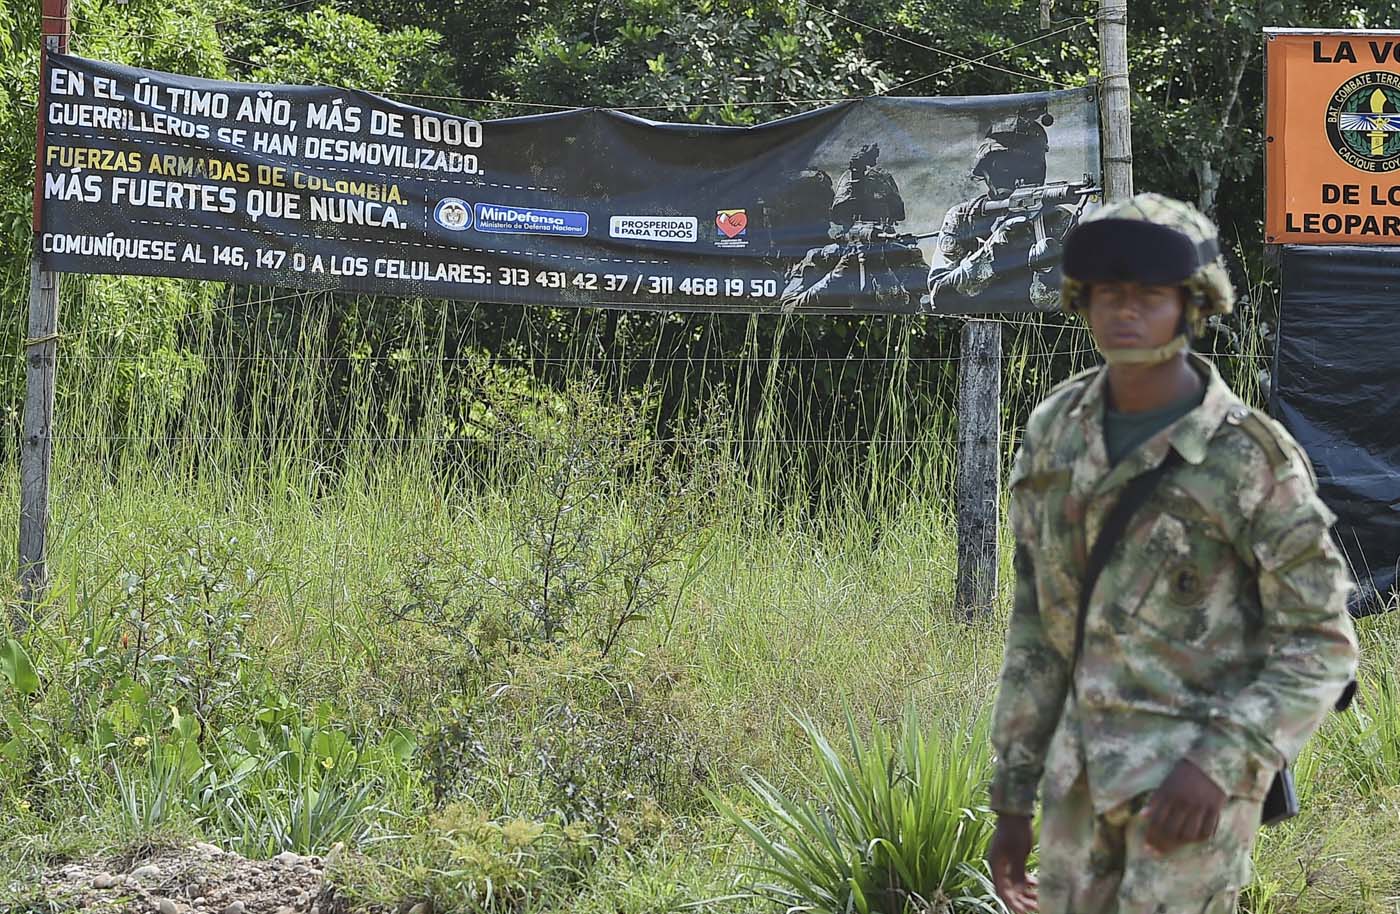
(1028, 204)
(1027, 201)
(890, 235)
(859, 237)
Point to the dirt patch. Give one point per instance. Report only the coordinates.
(200, 879)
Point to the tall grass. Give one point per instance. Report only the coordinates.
(270, 392)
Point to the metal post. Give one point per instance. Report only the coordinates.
(41, 362)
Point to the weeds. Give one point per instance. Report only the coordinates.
(464, 860)
(1366, 738)
(892, 826)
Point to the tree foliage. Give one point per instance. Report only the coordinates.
(1197, 71)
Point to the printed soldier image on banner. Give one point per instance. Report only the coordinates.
(902, 233)
(875, 205)
(1004, 243)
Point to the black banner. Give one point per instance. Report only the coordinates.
(1335, 389)
(896, 205)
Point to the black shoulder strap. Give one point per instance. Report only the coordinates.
(1135, 495)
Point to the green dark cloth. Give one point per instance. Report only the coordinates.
(1123, 432)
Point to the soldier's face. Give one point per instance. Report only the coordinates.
(1005, 170)
(1132, 315)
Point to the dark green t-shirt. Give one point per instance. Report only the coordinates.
(1123, 432)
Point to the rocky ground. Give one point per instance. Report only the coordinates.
(200, 879)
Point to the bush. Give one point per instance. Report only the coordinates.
(462, 859)
(892, 826)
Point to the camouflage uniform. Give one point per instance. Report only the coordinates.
(965, 263)
(1217, 633)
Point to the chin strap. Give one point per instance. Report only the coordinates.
(1144, 356)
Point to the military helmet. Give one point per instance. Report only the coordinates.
(1024, 130)
(1152, 239)
(1019, 142)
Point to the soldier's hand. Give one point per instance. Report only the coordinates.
(1006, 227)
(1006, 856)
(848, 262)
(1042, 251)
(1184, 810)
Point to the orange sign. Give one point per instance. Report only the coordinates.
(1332, 155)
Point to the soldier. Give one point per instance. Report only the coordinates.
(789, 216)
(1216, 636)
(870, 258)
(986, 243)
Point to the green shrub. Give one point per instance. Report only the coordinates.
(566, 735)
(462, 859)
(891, 827)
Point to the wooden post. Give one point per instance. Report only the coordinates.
(41, 363)
(1115, 101)
(979, 467)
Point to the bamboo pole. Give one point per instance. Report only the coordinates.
(1115, 100)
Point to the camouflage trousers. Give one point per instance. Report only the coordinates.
(1100, 864)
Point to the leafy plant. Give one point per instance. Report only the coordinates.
(892, 825)
(17, 668)
(300, 785)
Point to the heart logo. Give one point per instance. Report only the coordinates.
(732, 222)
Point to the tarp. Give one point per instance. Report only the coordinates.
(1337, 390)
(893, 205)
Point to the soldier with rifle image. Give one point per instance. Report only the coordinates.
(1010, 235)
(870, 259)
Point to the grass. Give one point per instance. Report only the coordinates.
(503, 646)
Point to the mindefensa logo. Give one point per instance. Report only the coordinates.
(1363, 121)
(497, 218)
(655, 228)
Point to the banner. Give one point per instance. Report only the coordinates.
(893, 205)
(1334, 389)
(1332, 150)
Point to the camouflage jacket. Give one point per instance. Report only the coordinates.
(1217, 631)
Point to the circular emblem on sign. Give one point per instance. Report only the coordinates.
(1363, 121)
(454, 214)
